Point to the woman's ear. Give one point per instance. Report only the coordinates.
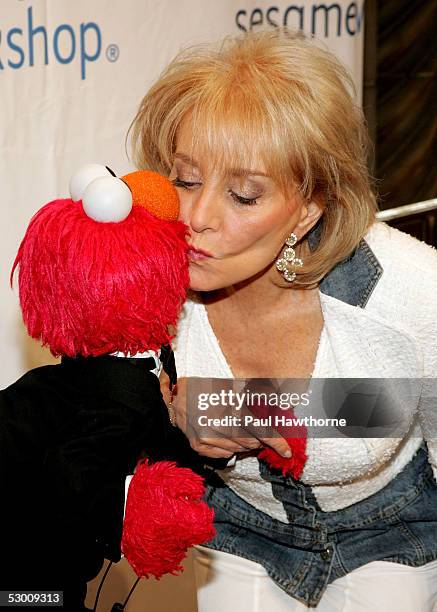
(310, 213)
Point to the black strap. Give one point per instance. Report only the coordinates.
(147, 363)
(168, 363)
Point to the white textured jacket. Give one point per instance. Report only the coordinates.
(380, 320)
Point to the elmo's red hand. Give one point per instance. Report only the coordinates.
(289, 467)
(295, 435)
(165, 515)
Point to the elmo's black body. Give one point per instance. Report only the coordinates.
(69, 435)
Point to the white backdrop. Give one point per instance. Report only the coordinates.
(72, 74)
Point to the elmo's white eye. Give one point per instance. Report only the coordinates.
(107, 199)
(83, 177)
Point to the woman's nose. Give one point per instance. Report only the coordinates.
(201, 211)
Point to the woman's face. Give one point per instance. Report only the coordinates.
(240, 222)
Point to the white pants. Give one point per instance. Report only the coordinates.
(227, 582)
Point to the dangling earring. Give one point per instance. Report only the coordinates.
(288, 259)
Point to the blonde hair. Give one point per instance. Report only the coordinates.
(278, 95)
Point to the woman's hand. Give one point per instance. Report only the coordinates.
(219, 446)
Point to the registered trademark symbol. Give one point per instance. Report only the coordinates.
(112, 52)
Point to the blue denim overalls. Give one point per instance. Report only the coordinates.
(398, 523)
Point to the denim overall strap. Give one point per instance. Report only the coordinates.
(352, 280)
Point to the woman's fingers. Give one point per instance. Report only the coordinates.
(218, 446)
(164, 382)
(250, 443)
(225, 444)
(175, 401)
(279, 444)
(209, 450)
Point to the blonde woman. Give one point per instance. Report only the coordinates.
(262, 139)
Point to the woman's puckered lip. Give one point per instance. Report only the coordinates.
(199, 251)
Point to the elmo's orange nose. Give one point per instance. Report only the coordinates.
(155, 192)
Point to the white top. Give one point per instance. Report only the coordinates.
(394, 336)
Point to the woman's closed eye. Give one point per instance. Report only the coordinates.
(177, 182)
(242, 200)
